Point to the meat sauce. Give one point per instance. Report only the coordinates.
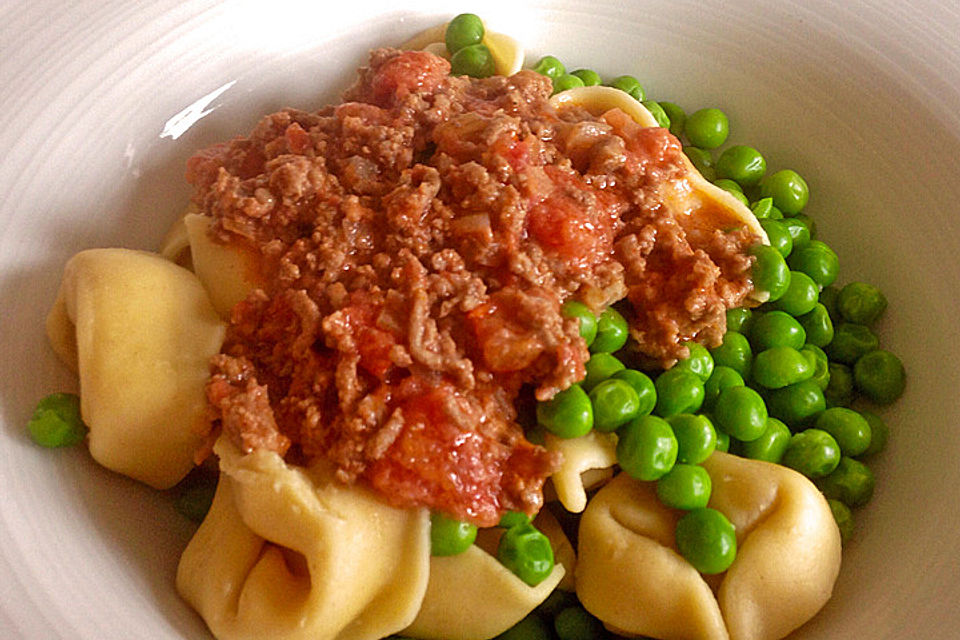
(418, 241)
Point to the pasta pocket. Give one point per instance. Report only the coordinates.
(289, 553)
(630, 575)
(140, 331)
(587, 461)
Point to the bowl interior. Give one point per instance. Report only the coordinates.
(106, 101)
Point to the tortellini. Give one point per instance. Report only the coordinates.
(594, 452)
(140, 332)
(630, 575)
(288, 553)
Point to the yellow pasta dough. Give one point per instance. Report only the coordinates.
(140, 331)
(594, 451)
(287, 553)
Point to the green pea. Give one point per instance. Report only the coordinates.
(575, 623)
(629, 84)
(799, 232)
(646, 448)
(676, 115)
(599, 367)
(568, 414)
(566, 81)
(686, 486)
(839, 391)
(788, 190)
(557, 601)
(663, 120)
(818, 261)
(770, 271)
(775, 214)
(776, 329)
(550, 66)
(821, 365)
(861, 303)
(811, 224)
(734, 352)
(772, 443)
(798, 404)
(464, 30)
(800, 297)
(818, 325)
(588, 321)
(707, 540)
(828, 298)
(612, 332)
(474, 61)
(851, 483)
(739, 319)
(848, 428)
(743, 164)
(527, 553)
(728, 185)
(880, 376)
(512, 519)
(533, 627)
(779, 367)
(614, 403)
(56, 421)
(699, 361)
(589, 77)
(741, 413)
(879, 433)
(722, 378)
(850, 342)
(678, 391)
(779, 238)
(707, 128)
(813, 452)
(723, 441)
(762, 208)
(843, 517)
(696, 437)
(643, 385)
(702, 160)
(448, 536)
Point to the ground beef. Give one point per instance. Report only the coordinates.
(418, 241)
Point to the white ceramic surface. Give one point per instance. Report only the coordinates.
(861, 98)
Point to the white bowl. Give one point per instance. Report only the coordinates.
(861, 100)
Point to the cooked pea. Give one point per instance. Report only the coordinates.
(550, 66)
(818, 325)
(770, 271)
(464, 30)
(776, 329)
(799, 232)
(722, 378)
(798, 404)
(813, 452)
(734, 352)
(723, 442)
(474, 61)
(850, 342)
(566, 81)
(788, 190)
(707, 128)
(828, 298)
(658, 113)
(629, 84)
(646, 448)
(775, 214)
(678, 391)
(568, 414)
(576, 623)
(728, 185)
(588, 77)
(741, 413)
(861, 303)
(527, 553)
(880, 376)
(739, 319)
(779, 238)
(839, 391)
(696, 437)
(702, 160)
(699, 361)
(762, 208)
(821, 365)
(643, 385)
(707, 540)
(512, 519)
(818, 261)
(557, 601)
(612, 332)
(686, 486)
(677, 116)
(843, 517)
(800, 297)
(742, 164)
(851, 483)
(781, 366)
(588, 321)
(811, 224)
(599, 367)
(879, 433)
(614, 403)
(449, 536)
(56, 421)
(533, 627)
(848, 428)
(772, 443)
